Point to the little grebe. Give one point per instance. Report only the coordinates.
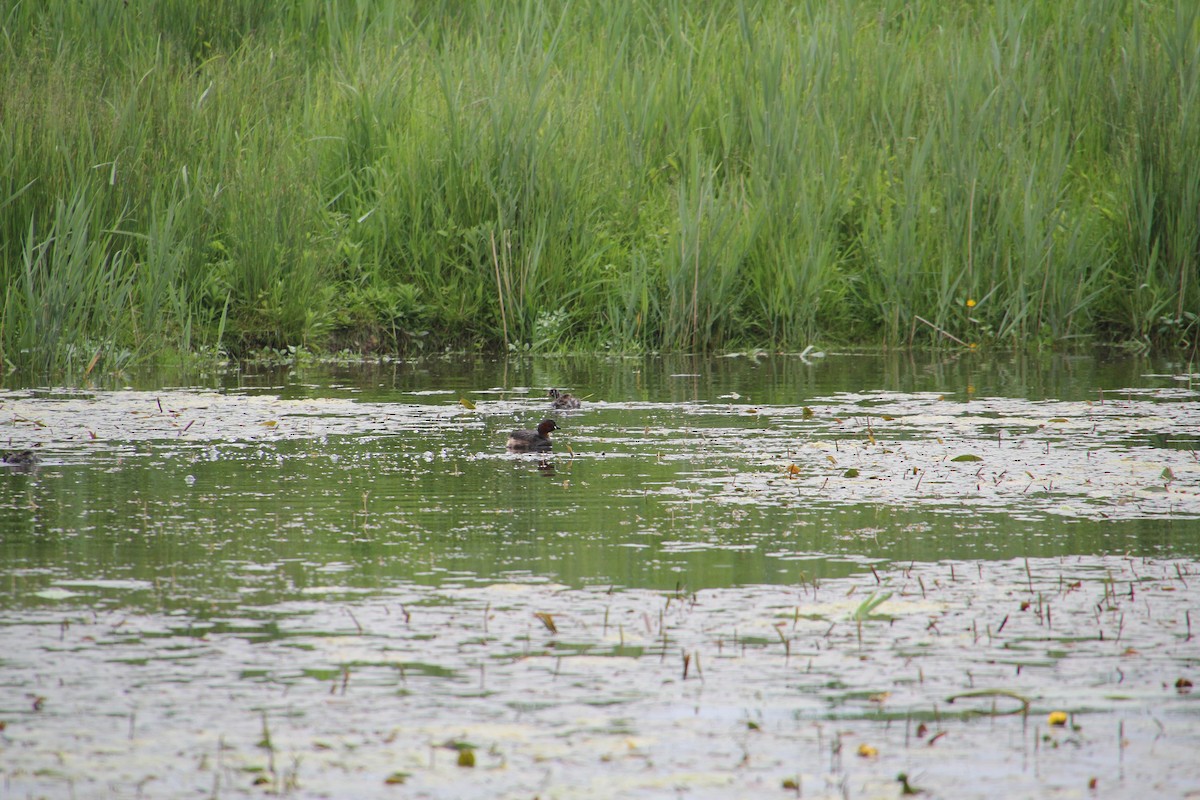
(533, 440)
(563, 400)
(19, 460)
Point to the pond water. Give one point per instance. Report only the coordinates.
(752, 574)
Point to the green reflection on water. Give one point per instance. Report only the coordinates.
(621, 501)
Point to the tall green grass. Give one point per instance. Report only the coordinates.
(578, 175)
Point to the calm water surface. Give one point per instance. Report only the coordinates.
(675, 472)
(263, 536)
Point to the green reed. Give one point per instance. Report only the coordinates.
(1158, 190)
(72, 277)
(629, 175)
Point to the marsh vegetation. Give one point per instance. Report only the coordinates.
(232, 175)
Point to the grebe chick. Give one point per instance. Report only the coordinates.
(563, 400)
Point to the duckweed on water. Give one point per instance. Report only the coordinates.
(1132, 458)
(951, 681)
(318, 593)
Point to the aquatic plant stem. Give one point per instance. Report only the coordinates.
(943, 332)
(499, 289)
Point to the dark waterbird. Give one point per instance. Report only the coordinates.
(563, 400)
(533, 440)
(21, 459)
